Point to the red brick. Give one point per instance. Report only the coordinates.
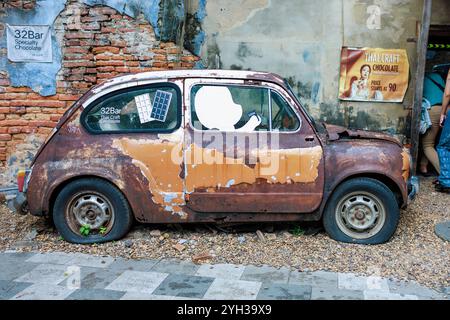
(4, 109)
(76, 50)
(92, 79)
(133, 64)
(79, 64)
(109, 49)
(160, 57)
(14, 130)
(105, 69)
(4, 130)
(68, 97)
(49, 124)
(5, 137)
(111, 63)
(102, 10)
(79, 35)
(96, 18)
(55, 118)
(123, 69)
(13, 123)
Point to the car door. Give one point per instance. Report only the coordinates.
(248, 148)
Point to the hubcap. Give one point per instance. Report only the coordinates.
(90, 209)
(360, 215)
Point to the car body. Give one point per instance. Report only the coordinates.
(201, 161)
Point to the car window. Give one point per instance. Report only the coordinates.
(283, 117)
(230, 108)
(153, 108)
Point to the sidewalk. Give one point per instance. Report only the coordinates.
(80, 276)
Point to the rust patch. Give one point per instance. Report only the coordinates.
(285, 166)
(406, 165)
(154, 158)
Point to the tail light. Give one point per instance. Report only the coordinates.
(21, 179)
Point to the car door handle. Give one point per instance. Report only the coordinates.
(309, 138)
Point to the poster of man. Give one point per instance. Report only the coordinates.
(373, 74)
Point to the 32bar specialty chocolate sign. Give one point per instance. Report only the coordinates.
(373, 74)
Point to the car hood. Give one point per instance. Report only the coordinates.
(338, 132)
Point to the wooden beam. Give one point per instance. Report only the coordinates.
(419, 77)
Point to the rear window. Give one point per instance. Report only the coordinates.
(155, 108)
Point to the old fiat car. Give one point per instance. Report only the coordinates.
(212, 146)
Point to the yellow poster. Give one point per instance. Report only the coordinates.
(373, 74)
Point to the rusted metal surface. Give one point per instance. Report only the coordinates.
(160, 189)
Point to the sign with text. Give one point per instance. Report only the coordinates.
(29, 43)
(373, 74)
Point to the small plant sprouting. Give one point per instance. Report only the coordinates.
(297, 231)
(85, 230)
(102, 230)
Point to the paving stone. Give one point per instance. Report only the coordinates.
(51, 258)
(85, 260)
(137, 281)
(10, 270)
(15, 257)
(225, 289)
(222, 271)
(95, 294)
(38, 291)
(8, 289)
(412, 288)
(442, 230)
(350, 281)
(274, 291)
(266, 274)
(147, 296)
(45, 274)
(91, 278)
(175, 266)
(316, 278)
(184, 286)
(386, 295)
(332, 293)
(133, 265)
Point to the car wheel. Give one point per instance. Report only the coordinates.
(361, 210)
(91, 211)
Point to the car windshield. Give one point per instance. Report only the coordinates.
(311, 119)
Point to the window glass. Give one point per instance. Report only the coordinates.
(283, 117)
(147, 108)
(230, 108)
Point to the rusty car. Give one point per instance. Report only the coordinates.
(212, 146)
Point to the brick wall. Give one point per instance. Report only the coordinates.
(97, 43)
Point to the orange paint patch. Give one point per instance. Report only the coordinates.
(162, 170)
(406, 165)
(299, 165)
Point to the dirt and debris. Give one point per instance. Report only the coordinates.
(414, 253)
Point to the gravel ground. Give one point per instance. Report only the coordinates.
(414, 253)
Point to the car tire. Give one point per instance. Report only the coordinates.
(363, 211)
(95, 205)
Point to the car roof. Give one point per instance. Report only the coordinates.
(181, 74)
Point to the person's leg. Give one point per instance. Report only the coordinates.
(429, 139)
(444, 155)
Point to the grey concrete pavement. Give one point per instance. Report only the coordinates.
(59, 276)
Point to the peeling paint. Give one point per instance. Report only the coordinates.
(40, 77)
(226, 170)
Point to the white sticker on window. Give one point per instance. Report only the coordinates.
(156, 111)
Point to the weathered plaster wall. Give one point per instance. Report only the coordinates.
(441, 12)
(301, 40)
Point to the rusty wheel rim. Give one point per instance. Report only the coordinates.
(360, 215)
(92, 209)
